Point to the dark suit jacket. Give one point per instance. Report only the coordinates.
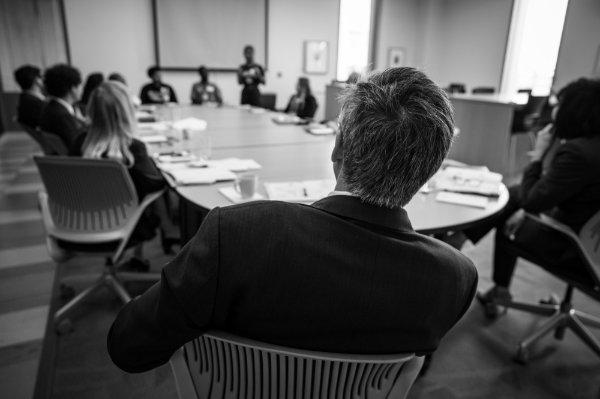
(29, 109)
(151, 93)
(570, 189)
(337, 276)
(57, 120)
(145, 175)
(307, 110)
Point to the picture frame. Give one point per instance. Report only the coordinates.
(316, 57)
(396, 57)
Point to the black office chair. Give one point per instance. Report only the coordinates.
(483, 90)
(562, 315)
(268, 101)
(456, 88)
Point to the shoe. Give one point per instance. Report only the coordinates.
(167, 243)
(135, 265)
(492, 301)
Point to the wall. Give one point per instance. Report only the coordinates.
(580, 42)
(111, 36)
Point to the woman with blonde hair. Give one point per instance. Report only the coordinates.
(111, 135)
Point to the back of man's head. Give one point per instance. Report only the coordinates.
(60, 79)
(26, 76)
(396, 127)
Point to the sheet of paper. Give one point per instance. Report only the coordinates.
(232, 195)
(299, 191)
(468, 180)
(475, 201)
(189, 176)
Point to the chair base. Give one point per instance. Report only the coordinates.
(113, 280)
(562, 317)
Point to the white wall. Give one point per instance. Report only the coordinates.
(111, 36)
(580, 42)
(398, 27)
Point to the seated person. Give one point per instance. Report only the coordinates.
(63, 85)
(31, 99)
(567, 189)
(204, 91)
(157, 92)
(92, 81)
(346, 274)
(303, 103)
(110, 135)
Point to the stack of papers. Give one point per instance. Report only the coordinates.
(469, 181)
(475, 201)
(189, 176)
(190, 124)
(300, 191)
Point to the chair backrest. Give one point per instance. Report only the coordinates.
(483, 90)
(268, 100)
(87, 195)
(589, 239)
(225, 366)
(35, 134)
(54, 145)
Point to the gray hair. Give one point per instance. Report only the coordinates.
(396, 128)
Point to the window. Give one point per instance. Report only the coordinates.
(533, 44)
(354, 37)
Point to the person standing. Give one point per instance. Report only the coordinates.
(250, 75)
(157, 92)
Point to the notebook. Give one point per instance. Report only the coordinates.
(189, 176)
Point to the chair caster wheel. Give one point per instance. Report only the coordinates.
(66, 293)
(64, 327)
(522, 356)
(552, 299)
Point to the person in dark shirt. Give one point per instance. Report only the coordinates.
(250, 75)
(92, 81)
(59, 117)
(157, 92)
(110, 135)
(567, 189)
(205, 91)
(31, 99)
(303, 103)
(347, 274)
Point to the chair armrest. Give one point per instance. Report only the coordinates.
(181, 372)
(554, 224)
(46, 216)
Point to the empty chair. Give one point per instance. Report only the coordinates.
(562, 315)
(90, 206)
(221, 365)
(483, 90)
(268, 100)
(455, 88)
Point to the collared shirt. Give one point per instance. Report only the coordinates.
(334, 192)
(65, 104)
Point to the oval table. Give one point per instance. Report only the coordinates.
(288, 153)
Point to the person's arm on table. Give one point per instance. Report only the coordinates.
(179, 308)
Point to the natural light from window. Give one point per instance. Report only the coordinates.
(533, 44)
(354, 37)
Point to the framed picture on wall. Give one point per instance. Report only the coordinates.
(316, 56)
(396, 57)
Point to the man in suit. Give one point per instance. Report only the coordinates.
(157, 92)
(345, 274)
(63, 85)
(31, 99)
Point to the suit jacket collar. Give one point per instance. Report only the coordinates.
(352, 207)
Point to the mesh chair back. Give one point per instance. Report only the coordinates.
(268, 100)
(589, 238)
(35, 134)
(87, 195)
(52, 144)
(225, 366)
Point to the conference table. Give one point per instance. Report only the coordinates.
(288, 153)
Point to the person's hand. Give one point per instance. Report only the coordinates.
(542, 143)
(513, 223)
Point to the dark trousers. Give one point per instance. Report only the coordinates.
(251, 96)
(534, 242)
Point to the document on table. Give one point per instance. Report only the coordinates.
(189, 176)
(299, 191)
(469, 181)
(475, 201)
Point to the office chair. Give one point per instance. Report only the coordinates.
(562, 315)
(268, 100)
(221, 365)
(90, 206)
(456, 88)
(483, 90)
(50, 143)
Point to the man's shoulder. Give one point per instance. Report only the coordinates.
(263, 207)
(448, 257)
